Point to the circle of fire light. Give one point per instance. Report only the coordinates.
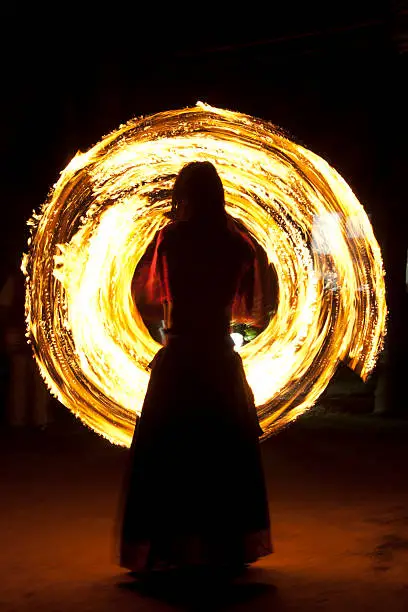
(89, 339)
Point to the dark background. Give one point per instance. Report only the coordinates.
(333, 77)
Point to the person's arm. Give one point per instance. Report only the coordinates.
(158, 290)
(247, 301)
(157, 285)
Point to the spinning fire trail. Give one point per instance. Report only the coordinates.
(89, 339)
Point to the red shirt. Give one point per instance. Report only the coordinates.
(207, 272)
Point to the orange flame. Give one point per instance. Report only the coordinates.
(89, 339)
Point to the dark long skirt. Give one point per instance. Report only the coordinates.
(194, 493)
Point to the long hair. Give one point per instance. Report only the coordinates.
(198, 194)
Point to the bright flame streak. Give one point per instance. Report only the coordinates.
(89, 340)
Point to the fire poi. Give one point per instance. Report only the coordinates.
(88, 337)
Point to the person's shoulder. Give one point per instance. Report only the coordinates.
(168, 234)
(241, 238)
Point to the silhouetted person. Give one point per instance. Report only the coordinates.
(27, 397)
(195, 494)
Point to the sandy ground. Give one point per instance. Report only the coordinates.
(338, 503)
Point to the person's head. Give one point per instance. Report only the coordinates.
(198, 193)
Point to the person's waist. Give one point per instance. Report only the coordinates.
(194, 320)
(199, 338)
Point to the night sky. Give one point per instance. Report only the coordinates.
(330, 79)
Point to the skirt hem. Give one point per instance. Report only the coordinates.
(193, 551)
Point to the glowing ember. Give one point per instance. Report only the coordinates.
(89, 339)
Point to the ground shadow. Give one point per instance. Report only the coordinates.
(196, 592)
